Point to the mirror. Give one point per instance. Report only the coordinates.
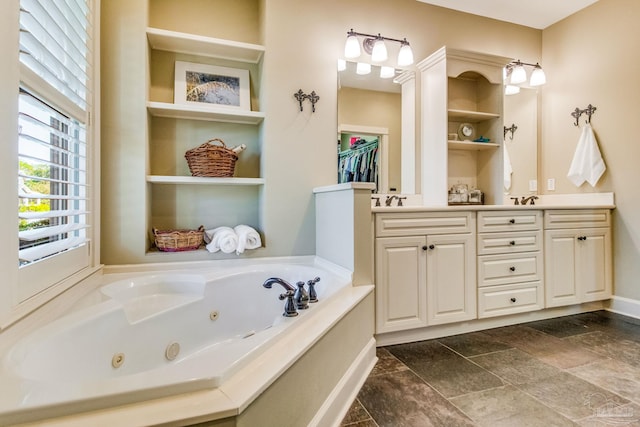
(376, 126)
(521, 110)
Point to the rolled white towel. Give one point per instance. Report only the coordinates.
(248, 238)
(221, 239)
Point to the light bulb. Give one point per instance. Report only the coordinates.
(511, 89)
(379, 52)
(363, 68)
(518, 74)
(352, 46)
(387, 72)
(537, 76)
(405, 56)
(342, 65)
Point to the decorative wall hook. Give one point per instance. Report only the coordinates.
(589, 111)
(313, 97)
(511, 129)
(300, 96)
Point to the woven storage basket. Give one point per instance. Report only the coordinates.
(211, 159)
(178, 240)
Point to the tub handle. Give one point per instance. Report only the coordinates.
(313, 296)
(289, 306)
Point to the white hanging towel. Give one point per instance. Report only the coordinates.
(587, 164)
(248, 238)
(221, 239)
(507, 167)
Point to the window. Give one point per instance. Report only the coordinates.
(54, 147)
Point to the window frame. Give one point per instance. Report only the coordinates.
(18, 295)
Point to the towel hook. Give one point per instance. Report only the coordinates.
(589, 111)
(511, 129)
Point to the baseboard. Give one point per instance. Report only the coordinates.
(625, 306)
(335, 407)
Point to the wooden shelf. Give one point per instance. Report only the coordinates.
(471, 116)
(196, 180)
(472, 146)
(174, 41)
(212, 113)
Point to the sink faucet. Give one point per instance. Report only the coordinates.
(289, 306)
(389, 199)
(530, 199)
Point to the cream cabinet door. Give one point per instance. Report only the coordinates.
(577, 266)
(451, 278)
(400, 283)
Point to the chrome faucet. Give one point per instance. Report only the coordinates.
(289, 306)
(301, 297)
(530, 199)
(389, 199)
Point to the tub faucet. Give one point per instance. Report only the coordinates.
(301, 297)
(530, 199)
(289, 306)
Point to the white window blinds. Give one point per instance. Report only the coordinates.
(52, 134)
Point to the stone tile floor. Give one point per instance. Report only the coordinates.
(580, 370)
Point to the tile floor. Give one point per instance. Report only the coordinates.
(581, 370)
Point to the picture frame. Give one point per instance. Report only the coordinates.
(211, 86)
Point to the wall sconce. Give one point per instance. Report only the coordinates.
(376, 47)
(515, 74)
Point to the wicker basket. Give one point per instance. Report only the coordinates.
(178, 240)
(211, 160)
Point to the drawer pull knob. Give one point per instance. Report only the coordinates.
(512, 221)
(513, 299)
(512, 268)
(512, 243)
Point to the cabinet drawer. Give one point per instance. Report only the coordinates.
(509, 299)
(506, 269)
(421, 223)
(509, 221)
(578, 218)
(511, 242)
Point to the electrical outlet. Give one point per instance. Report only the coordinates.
(533, 185)
(551, 184)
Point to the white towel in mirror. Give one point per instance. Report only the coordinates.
(507, 167)
(587, 164)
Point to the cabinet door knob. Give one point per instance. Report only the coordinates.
(513, 299)
(512, 221)
(432, 247)
(512, 268)
(512, 243)
(425, 247)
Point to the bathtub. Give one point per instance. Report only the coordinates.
(159, 334)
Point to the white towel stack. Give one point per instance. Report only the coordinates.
(587, 164)
(228, 240)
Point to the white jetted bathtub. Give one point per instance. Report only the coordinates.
(156, 335)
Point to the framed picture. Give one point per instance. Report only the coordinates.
(209, 85)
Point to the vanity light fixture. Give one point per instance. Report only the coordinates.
(376, 47)
(516, 74)
(363, 68)
(387, 72)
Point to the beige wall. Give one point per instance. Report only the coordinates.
(592, 58)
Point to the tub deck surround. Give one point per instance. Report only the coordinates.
(50, 374)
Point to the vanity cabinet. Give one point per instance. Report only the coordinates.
(425, 269)
(462, 100)
(510, 262)
(577, 256)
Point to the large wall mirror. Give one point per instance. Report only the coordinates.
(376, 127)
